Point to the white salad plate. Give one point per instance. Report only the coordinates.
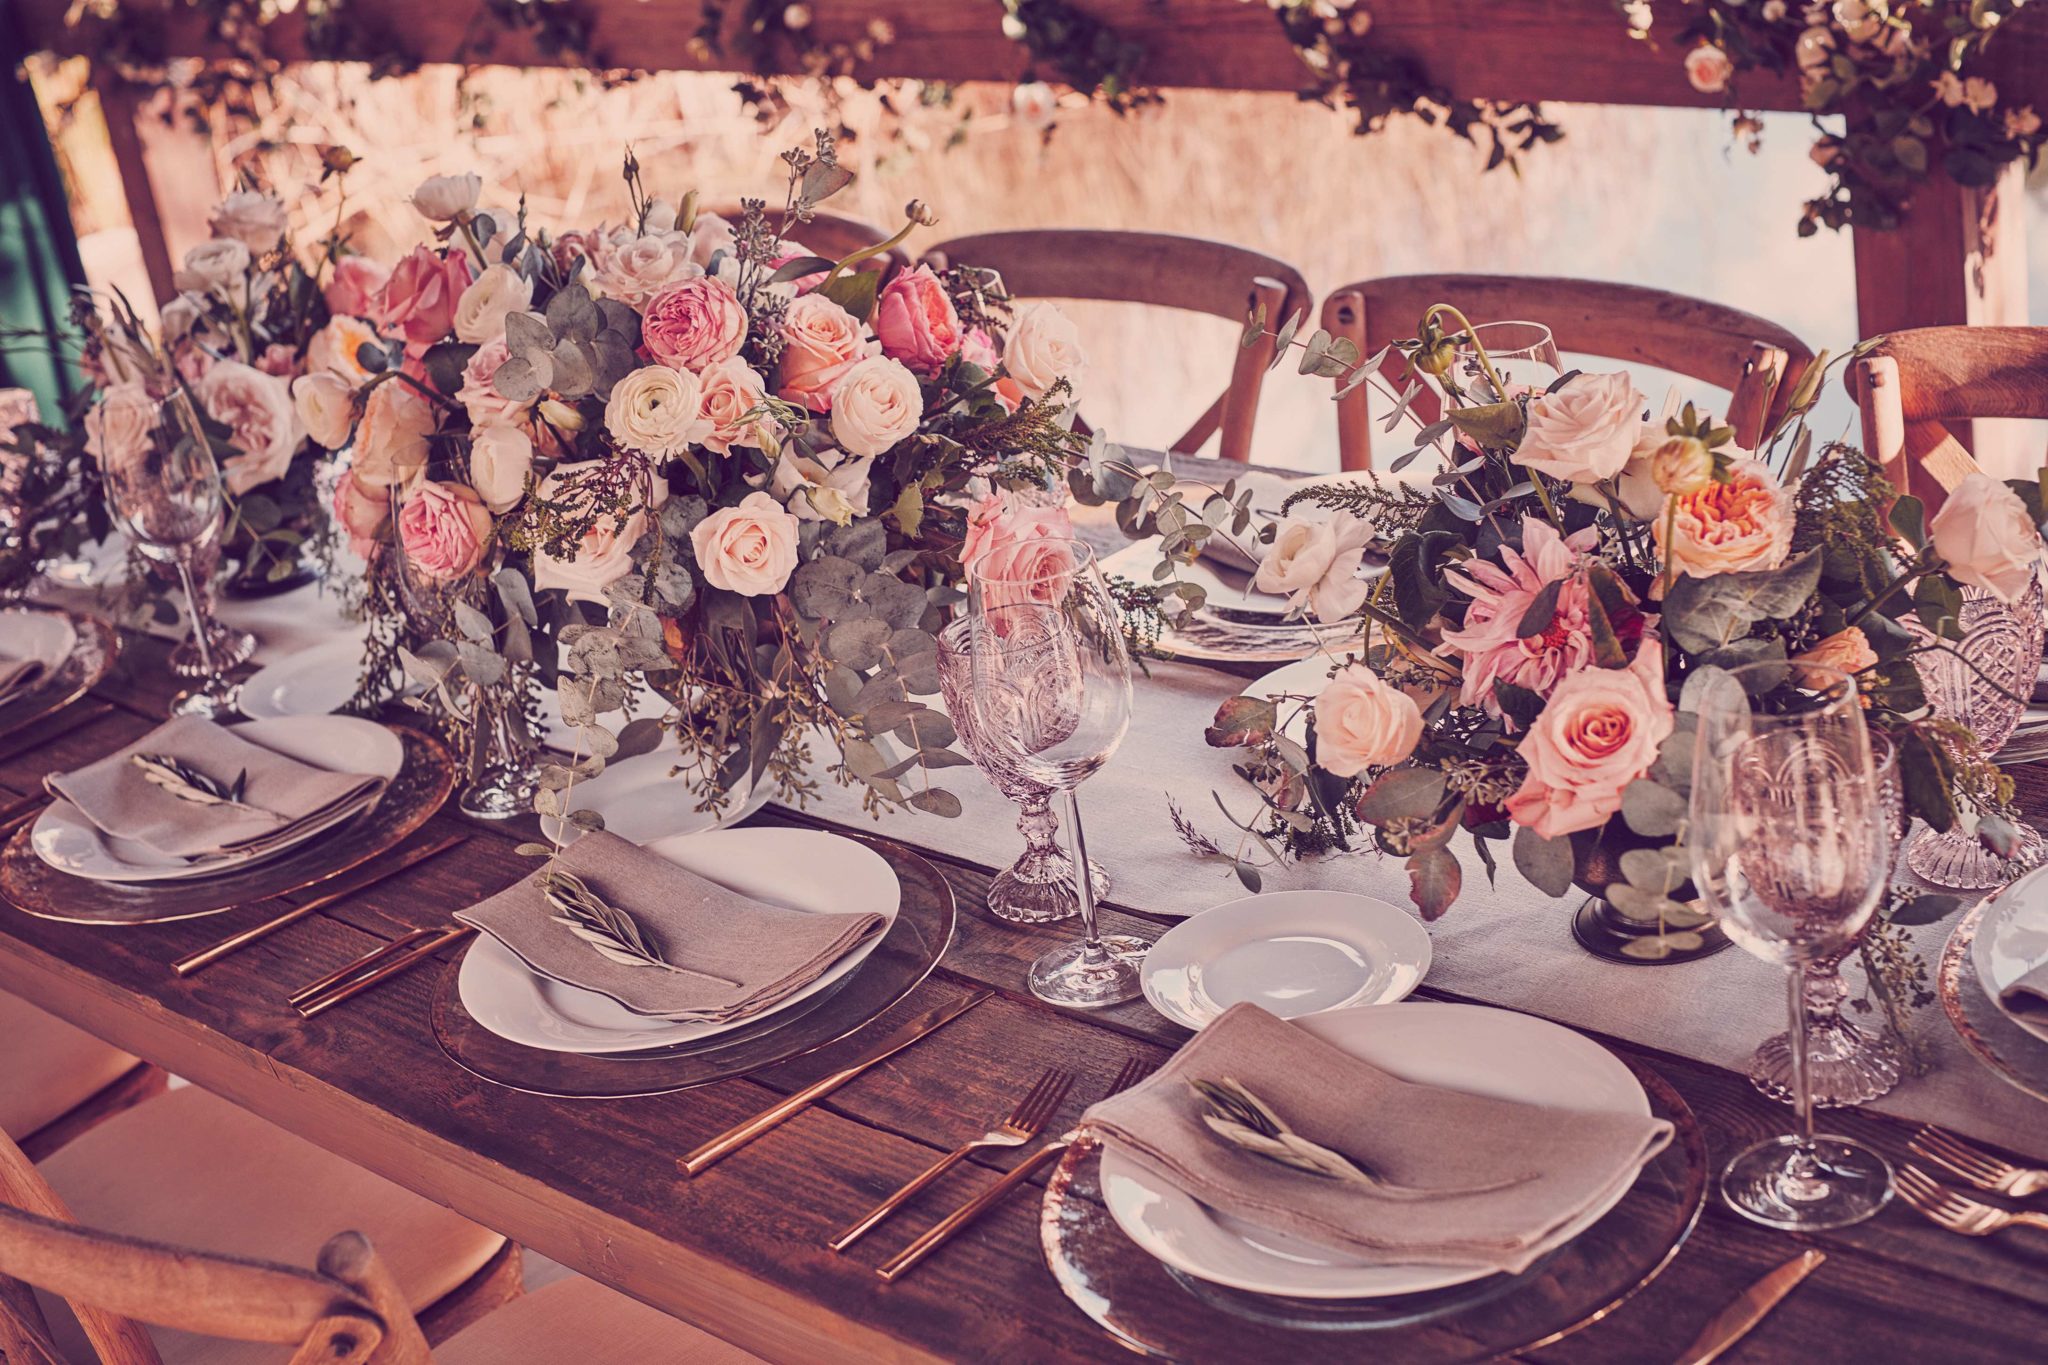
(800, 869)
(315, 681)
(1302, 678)
(1473, 1048)
(641, 803)
(1292, 953)
(2012, 941)
(67, 841)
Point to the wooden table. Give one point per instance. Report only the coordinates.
(741, 1249)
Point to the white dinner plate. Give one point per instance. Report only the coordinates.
(67, 841)
(555, 733)
(1226, 586)
(1302, 678)
(800, 869)
(1292, 953)
(44, 636)
(315, 681)
(2012, 941)
(1473, 1048)
(640, 802)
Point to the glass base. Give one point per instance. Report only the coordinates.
(207, 705)
(1782, 1184)
(1845, 1064)
(1039, 888)
(499, 793)
(230, 647)
(1077, 977)
(1957, 859)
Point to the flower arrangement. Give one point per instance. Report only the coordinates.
(683, 455)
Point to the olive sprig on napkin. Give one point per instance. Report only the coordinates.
(188, 783)
(611, 931)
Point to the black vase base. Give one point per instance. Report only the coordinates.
(1605, 933)
(250, 589)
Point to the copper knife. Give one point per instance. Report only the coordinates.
(1733, 1323)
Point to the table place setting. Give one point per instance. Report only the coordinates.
(49, 659)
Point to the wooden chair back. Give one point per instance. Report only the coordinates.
(832, 235)
(349, 1312)
(1757, 360)
(1919, 388)
(1160, 268)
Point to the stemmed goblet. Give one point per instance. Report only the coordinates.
(1788, 847)
(1522, 353)
(1051, 701)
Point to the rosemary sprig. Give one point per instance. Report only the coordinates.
(1245, 1121)
(606, 928)
(188, 783)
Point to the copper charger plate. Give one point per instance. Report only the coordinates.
(423, 783)
(2016, 1056)
(99, 644)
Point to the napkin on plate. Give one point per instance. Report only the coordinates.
(18, 676)
(2027, 998)
(1483, 1183)
(280, 798)
(770, 952)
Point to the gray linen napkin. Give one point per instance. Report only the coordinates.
(2027, 997)
(281, 796)
(18, 676)
(1489, 1184)
(770, 951)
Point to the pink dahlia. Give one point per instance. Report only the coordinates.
(1487, 647)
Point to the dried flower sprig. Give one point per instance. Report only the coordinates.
(609, 930)
(188, 783)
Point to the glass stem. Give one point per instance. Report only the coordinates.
(201, 624)
(1802, 1091)
(1084, 882)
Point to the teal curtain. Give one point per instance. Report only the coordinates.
(38, 250)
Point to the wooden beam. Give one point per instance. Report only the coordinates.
(167, 176)
(119, 105)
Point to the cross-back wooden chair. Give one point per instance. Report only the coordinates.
(1920, 385)
(1171, 271)
(1757, 360)
(57, 1081)
(832, 235)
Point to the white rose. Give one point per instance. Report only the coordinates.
(606, 552)
(634, 269)
(499, 460)
(1984, 533)
(749, 549)
(480, 313)
(256, 408)
(1314, 563)
(1361, 722)
(1585, 431)
(178, 317)
(1034, 103)
(445, 198)
(1043, 349)
(657, 411)
(253, 218)
(876, 405)
(121, 425)
(325, 402)
(732, 389)
(1709, 69)
(213, 265)
(825, 487)
(709, 235)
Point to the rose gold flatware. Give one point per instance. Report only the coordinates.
(234, 943)
(1974, 1164)
(1024, 1123)
(730, 1141)
(13, 809)
(85, 716)
(22, 813)
(1959, 1213)
(899, 1265)
(1734, 1322)
(373, 969)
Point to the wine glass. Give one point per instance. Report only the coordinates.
(1788, 848)
(1051, 703)
(1522, 353)
(167, 497)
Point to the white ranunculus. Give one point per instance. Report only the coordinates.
(212, 266)
(500, 458)
(749, 549)
(657, 411)
(445, 198)
(325, 402)
(1984, 533)
(1043, 348)
(825, 487)
(480, 313)
(255, 219)
(1585, 431)
(876, 405)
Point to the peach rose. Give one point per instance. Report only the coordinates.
(420, 298)
(1003, 519)
(1314, 563)
(356, 281)
(480, 315)
(821, 342)
(1043, 348)
(916, 321)
(694, 324)
(749, 549)
(1584, 432)
(391, 439)
(478, 396)
(443, 527)
(120, 427)
(1847, 649)
(876, 404)
(731, 391)
(1600, 731)
(361, 514)
(1017, 552)
(1987, 539)
(336, 346)
(1361, 721)
(256, 408)
(1727, 527)
(604, 555)
(326, 407)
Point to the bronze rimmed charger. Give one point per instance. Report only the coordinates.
(92, 658)
(2014, 1055)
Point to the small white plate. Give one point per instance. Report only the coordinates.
(1474, 1048)
(316, 681)
(1289, 952)
(801, 869)
(640, 802)
(67, 841)
(1302, 678)
(2013, 941)
(44, 636)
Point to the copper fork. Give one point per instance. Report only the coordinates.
(1024, 1123)
(1976, 1165)
(1958, 1212)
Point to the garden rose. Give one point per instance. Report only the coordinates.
(1847, 649)
(1585, 431)
(694, 324)
(120, 427)
(391, 439)
(325, 404)
(749, 549)
(1362, 721)
(1600, 732)
(446, 198)
(826, 486)
(731, 390)
(1003, 519)
(443, 527)
(480, 314)
(634, 269)
(356, 282)
(1043, 349)
(500, 458)
(336, 347)
(821, 343)
(478, 396)
(212, 266)
(1314, 564)
(251, 217)
(916, 322)
(1709, 69)
(657, 411)
(1988, 540)
(256, 408)
(1726, 527)
(420, 297)
(605, 553)
(876, 404)
(361, 514)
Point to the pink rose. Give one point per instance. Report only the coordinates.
(478, 396)
(916, 321)
(443, 527)
(361, 514)
(694, 324)
(605, 553)
(820, 342)
(978, 348)
(1361, 721)
(1600, 732)
(749, 549)
(257, 410)
(1017, 552)
(356, 283)
(419, 299)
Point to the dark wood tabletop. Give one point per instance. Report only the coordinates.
(740, 1250)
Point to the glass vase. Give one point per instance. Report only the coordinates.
(503, 766)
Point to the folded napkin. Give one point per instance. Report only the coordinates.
(18, 676)
(1468, 1181)
(2027, 998)
(279, 796)
(763, 953)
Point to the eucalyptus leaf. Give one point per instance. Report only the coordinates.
(1547, 863)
